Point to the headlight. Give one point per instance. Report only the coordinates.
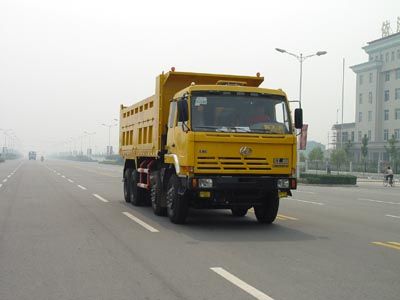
(283, 183)
(205, 183)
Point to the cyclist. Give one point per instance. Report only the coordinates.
(389, 175)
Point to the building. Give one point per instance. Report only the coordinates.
(377, 99)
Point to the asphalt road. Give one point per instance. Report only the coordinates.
(66, 233)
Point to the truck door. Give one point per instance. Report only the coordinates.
(171, 127)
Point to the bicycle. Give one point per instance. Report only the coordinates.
(388, 181)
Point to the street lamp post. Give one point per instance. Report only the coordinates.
(301, 58)
(109, 134)
(5, 132)
(88, 134)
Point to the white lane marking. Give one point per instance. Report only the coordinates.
(304, 201)
(70, 180)
(100, 198)
(5, 180)
(1, 185)
(63, 176)
(82, 187)
(241, 284)
(8, 176)
(58, 174)
(140, 222)
(54, 171)
(378, 201)
(392, 216)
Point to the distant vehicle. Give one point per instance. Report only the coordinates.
(209, 141)
(41, 158)
(32, 155)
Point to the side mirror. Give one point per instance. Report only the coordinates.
(183, 110)
(298, 118)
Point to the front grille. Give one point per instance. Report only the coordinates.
(225, 163)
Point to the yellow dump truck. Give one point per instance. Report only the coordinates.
(209, 141)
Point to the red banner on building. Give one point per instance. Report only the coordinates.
(303, 137)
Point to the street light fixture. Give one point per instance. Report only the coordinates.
(301, 58)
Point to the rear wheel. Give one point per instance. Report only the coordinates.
(239, 211)
(177, 205)
(136, 195)
(156, 194)
(267, 212)
(127, 189)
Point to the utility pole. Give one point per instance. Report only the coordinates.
(341, 125)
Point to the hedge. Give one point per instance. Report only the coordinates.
(329, 179)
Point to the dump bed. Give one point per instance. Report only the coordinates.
(143, 123)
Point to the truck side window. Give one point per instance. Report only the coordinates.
(172, 112)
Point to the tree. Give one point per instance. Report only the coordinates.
(347, 148)
(338, 156)
(392, 151)
(364, 151)
(302, 157)
(316, 155)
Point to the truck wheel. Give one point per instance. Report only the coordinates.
(239, 211)
(127, 180)
(136, 195)
(177, 205)
(156, 194)
(267, 212)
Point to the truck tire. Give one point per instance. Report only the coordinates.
(127, 189)
(156, 194)
(239, 211)
(136, 195)
(177, 205)
(267, 212)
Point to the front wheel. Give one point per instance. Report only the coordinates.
(177, 205)
(267, 212)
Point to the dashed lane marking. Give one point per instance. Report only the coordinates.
(8, 176)
(392, 216)
(241, 284)
(284, 217)
(1, 185)
(392, 245)
(82, 187)
(70, 180)
(63, 176)
(378, 201)
(140, 222)
(5, 180)
(100, 198)
(304, 201)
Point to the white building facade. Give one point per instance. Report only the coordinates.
(377, 99)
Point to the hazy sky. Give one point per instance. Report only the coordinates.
(66, 66)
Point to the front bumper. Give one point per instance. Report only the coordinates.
(228, 191)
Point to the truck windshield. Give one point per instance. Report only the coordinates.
(222, 111)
